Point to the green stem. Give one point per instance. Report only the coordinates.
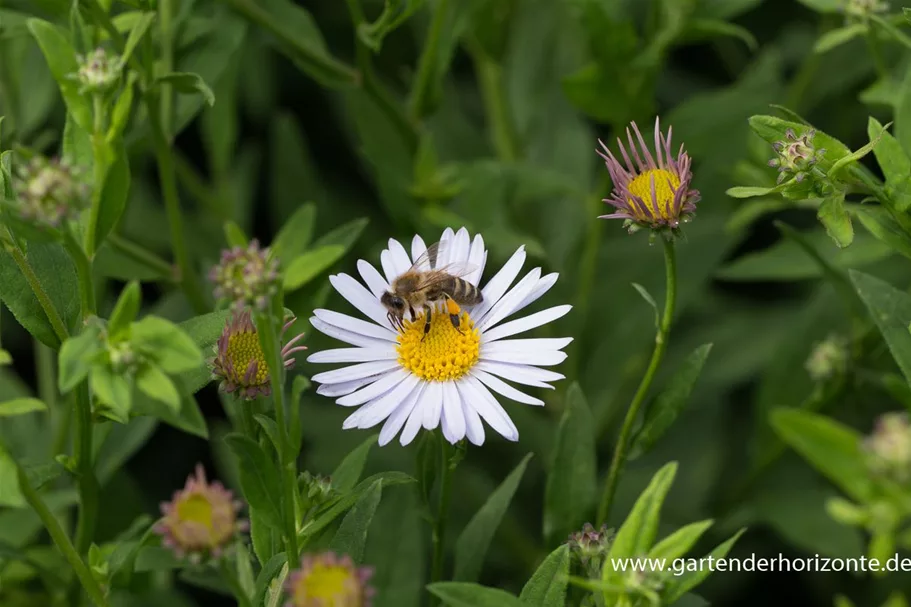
(372, 85)
(270, 339)
(499, 116)
(166, 59)
(419, 104)
(167, 178)
(41, 295)
(99, 172)
(661, 339)
(83, 273)
(88, 484)
(61, 540)
(230, 578)
(876, 52)
(293, 45)
(439, 525)
(143, 256)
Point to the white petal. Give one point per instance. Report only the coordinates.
(498, 285)
(400, 258)
(352, 372)
(474, 429)
(432, 403)
(489, 409)
(521, 374)
(398, 418)
(520, 325)
(544, 358)
(353, 355)
(334, 390)
(460, 247)
(526, 345)
(355, 325)
(540, 289)
(359, 297)
(443, 253)
(453, 419)
(476, 257)
(510, 301)
(501, 387)
(375, 281)
(416, 418)
(388, 266)
(379, 409)
(355, 339)
(377, 388)
(418, 248)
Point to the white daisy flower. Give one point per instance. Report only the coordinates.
(448, 377)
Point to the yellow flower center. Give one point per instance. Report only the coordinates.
(243, 348)
(195, 508)
(329, 586)
(660, 207)
(445, 353)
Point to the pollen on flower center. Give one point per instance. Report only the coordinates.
(446, 353)
(244, 348)
(328, 582)
(195, 508)
(666, 184)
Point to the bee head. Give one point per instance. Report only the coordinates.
(396, 307)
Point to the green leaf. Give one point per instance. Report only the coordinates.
(270, 569)
(266, 539)
(547, 586)
(835, 218)
(77, 357)
(152, 382)
(308, 266)
(204, 331)
(395, 13)
(114, 194)
(676, 587)
(140, 27)
(859, 153)
(121, 444)
(113, 390)
(892, 159)
(396, 548)
(883, 225)
(258, 478)
(5, 358)
(351, 536)
(475, 539)
(20, 406)
(751, 191)
(126, 309)
(572, 480)
(891, 311)
(188, 418)
(637, 533)
(839, 36)
(188, 84)
(61, 59)
(670, 402)
(346, 475)
(234, 235)
(460, 594)
(295, 234)
(832, 448)
(10, 495)
(271, 429)
(156, 558)
(680, 542)
(169, 346)
(345, 235)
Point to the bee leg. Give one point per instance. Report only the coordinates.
(455, 314)
(427, 317)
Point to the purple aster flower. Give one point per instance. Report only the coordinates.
(246, 276)
(327, 580)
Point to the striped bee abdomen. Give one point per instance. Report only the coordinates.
(464, 293)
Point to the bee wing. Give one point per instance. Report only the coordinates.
(427, 263)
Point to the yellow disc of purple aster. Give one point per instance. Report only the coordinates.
(327, 580)
(201, 520)
(651, 191)
(240, 362)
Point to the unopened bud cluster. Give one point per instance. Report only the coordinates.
(98, 72)
(315, 489)
(50, 191)
(246, 276)
(865, 8)
(590, 545)
(796, 156)
(124, 358)
(828, 359)
(888, 448)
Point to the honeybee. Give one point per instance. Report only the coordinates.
(424, 285)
